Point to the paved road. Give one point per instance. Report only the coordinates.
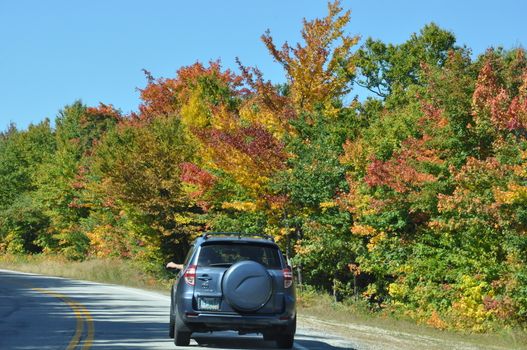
(41, 312)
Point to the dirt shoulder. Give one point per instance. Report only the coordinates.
(370, 337)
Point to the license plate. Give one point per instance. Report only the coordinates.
(208, 303)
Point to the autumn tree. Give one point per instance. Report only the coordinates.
(138, 176)
(61, 180)
(321, 68)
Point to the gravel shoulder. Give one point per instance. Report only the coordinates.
(368, 337)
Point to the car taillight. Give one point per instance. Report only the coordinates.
(190, 275)
(288, 277)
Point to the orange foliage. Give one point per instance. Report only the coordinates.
(492, 99)
(400, 172)
(166, 97)
(250, 154)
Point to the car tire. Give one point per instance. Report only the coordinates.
(181, 338)
(286, 339)
(181, 332)
(172, 321)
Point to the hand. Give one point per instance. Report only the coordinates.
(172, 265)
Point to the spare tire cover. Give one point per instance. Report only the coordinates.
(247, 286)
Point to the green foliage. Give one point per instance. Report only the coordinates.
(22, 153)
(137, 175)
(390, 70)
(314, 174)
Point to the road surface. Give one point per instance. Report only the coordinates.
(42, 312)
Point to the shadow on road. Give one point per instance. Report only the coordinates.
(243, 342)
(34, 320)
(122, 320)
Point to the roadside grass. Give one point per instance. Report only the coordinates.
(114, 271)
(311, 303)
(322, 306)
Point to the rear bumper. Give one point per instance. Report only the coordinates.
(219, 321)
(237, 320)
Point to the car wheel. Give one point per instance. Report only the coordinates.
(181, 333)
(181, 338)
(172, 321)
(286, 339)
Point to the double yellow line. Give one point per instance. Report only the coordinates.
(83, 317)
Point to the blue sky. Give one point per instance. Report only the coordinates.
(56, 51)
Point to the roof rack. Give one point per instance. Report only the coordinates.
(206, 235)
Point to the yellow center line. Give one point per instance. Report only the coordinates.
(81, 314)
(91, 329)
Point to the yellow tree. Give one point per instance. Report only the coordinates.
(320, 69)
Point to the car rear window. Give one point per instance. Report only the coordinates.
(229, 253)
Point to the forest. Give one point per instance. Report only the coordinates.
(412, 199)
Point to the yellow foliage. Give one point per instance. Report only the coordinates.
(260, 114)
(241, 206)
(194, 113)
(515, 194)
(241, 167)
(319, 69)
(100, 245)
(327, 205)
(363, 230)
(355, 154)
(375, 240)
(182, 219)
(301, 249)
(368, 231)
(470, 309)
(397, 291)
(355, 201)
(370, 291)
(13, 243)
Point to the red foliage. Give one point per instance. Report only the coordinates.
(80, 178)
(192, 174)
(491, 98)
(432, 114)
(164, 97)
(276, 201)
(254, 141)
(264, 94)
(400, 173)
(518, 108)
(103, 111)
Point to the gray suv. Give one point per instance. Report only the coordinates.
(232, 281)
